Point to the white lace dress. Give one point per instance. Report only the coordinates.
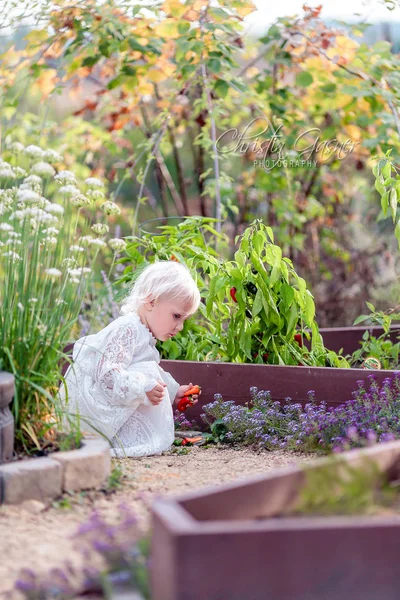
(107, 383)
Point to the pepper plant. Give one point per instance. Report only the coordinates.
(255, 308)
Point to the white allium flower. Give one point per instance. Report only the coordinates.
(52, 156)
(34, 225)
(69, 190)
(19, 172)
(117, 245)
(33, 151)
(51, 231)
(44, 169)
(49, 242)
(12, 241)
(12, 255)
(80, 200)
(110, 208)
(6, 173)
(28, 196)
(14, 234)
(77, 249)
(65, 178)
(69, 262)
(33, 180)
(21, 205)
(98, 242)
(16, 147)
(74, 280)
(54, 209)
(5, 227)
(95, 194)
(33, 300)
(74, 272)
(86, 240)
(53, 273)
(94, 182)
(20, 306)
(100, 228)
(60, 301)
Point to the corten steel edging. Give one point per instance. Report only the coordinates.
(323, 558)
(349, 338)
(233, 381)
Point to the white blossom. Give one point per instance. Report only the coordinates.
(20, 306)
(54, 209)
(16, 147)
(94, 182)
(98, 242)
(110, 208)
(6, 173)
(12, 255)
(69, 190)
(28, 196)
(86, 240)
(33, 180)
(117, 245)
(12, 241)
(100, 228)
(54, 273)
(77, 249)
(5, 227)
(19, 172)
(44, 169)
(51, 231)
(95, 194)
(33, 151)
(52, 156)
(65, 178)
(49, 242)
(69, 262)
(80, 200)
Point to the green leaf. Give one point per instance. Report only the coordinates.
(258, 303)
(287, 294)
(393, 203)
(183, 27)
(397, 232)
(214, 65)
(370, 306)
(221, 87)
(304, 79)
(361, 319)
(385, 202)
(386, 170)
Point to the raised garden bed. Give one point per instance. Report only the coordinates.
(233, 380)
(224, 542)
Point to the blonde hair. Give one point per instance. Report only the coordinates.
(163, 279)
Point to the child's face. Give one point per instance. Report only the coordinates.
(165, 318)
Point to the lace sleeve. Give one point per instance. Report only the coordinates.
(119, 385)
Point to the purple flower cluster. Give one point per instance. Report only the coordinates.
(369, 417)
(124, 553)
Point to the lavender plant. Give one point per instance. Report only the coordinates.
(125, 556)
(372, 415)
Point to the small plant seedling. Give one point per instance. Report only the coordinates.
(115, 479)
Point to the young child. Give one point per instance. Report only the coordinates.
(115, 382)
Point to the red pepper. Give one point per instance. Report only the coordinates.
(232, 292)
(298, 339)
(184, 403)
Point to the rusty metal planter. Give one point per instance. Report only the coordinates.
(224, 544)
(6, 419)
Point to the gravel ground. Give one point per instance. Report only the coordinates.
(38, 536)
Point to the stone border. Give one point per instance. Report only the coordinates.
(45, 478)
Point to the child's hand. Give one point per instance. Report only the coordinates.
(157, 393)
(181, 392)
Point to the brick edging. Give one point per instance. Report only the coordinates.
(48, 477)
